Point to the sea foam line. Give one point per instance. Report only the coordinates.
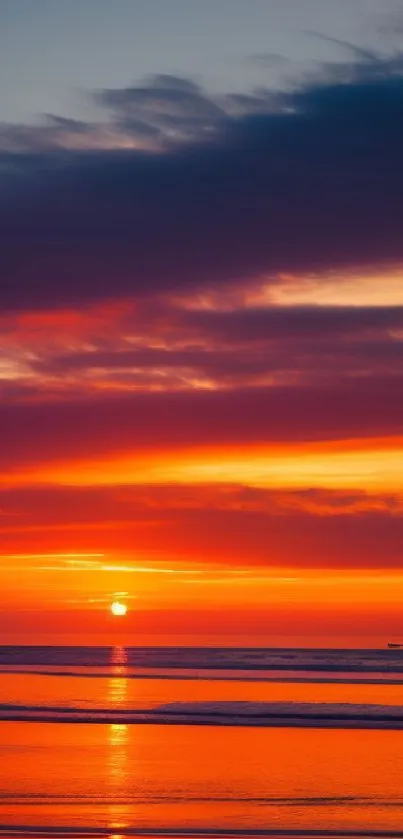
(252, 714)
(39, 831)
(186, 677)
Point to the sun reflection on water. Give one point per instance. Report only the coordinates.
(118, 741)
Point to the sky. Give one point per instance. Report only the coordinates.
(201, 328)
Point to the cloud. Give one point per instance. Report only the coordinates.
(366, 58)
(55, 133)
(41, 432)
(231, 526)
(296, 322)
(306, 180)
(46, 505)
(166, 346)
(174, 109)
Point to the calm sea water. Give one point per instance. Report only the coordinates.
(117, 741)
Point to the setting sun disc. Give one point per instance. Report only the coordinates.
(118, 609)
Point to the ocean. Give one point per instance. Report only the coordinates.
(200, 741)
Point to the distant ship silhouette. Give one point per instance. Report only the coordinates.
(393, 646)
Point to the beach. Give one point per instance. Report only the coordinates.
(236, 750)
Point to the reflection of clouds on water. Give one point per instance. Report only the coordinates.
(118, 741)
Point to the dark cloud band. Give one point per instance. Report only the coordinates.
(309, 180)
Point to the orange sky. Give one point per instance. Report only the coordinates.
(228, 509)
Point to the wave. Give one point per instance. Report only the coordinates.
(215, 676)
(44, 832)
(252, 714)
(305, 801)
(211, 658)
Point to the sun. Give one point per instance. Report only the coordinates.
(118, 609)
